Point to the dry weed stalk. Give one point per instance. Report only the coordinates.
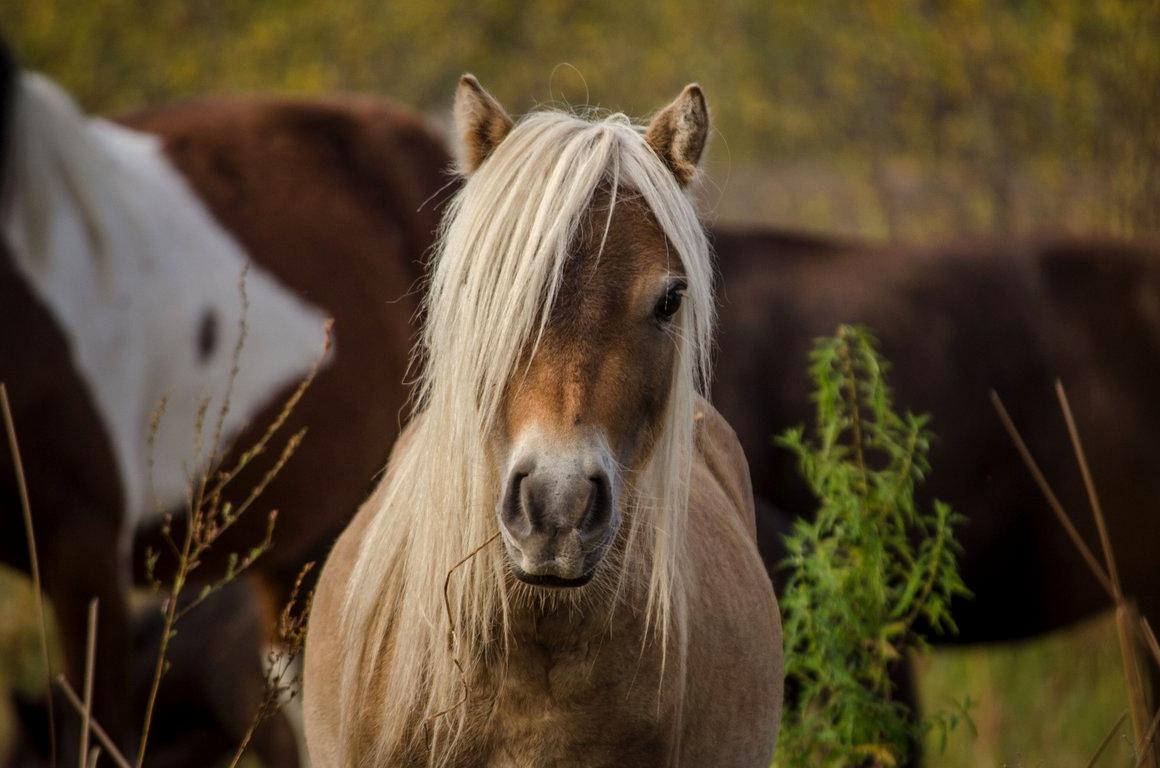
(1127, 620)
(34, 561)
(1145, 750)
(1150, 640)
(283, 676)
(1107, 740)
(1126, 616)
(210, 514)
(102, 736)
(90, 661)
(83, 708)
(452, 640)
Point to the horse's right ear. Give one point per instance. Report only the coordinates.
(679, 132)
(480, 122)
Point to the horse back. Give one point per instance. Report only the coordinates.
(956, 322)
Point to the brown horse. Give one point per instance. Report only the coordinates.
(624, 618)
(955, 323)
(122, 256)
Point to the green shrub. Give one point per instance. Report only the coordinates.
(868, 574)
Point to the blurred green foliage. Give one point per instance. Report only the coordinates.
(1008, 97)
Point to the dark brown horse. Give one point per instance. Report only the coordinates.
(332, 200)
(955, 323)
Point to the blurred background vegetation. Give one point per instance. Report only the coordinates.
(911, 120)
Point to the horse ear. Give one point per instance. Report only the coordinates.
(480, 122)
(679, 132)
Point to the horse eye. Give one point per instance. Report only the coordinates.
(668, 304)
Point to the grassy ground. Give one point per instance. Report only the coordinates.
(20, 666)
(1043, 703)
(1048, 702)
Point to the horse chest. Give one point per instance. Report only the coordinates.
(585, 705)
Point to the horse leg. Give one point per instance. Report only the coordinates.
(79, 564)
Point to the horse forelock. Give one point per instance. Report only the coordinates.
(497, 274)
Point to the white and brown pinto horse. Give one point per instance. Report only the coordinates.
(559, 567)
(123, 249)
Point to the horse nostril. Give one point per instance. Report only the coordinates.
(599, 510)
(515, 515)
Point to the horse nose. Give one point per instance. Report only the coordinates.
(545, 502)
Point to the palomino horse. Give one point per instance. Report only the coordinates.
(625, 618)
(123, 252)
(956, 323)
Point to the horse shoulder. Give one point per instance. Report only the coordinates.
(733, 701)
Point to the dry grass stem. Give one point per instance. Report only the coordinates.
(34, 561)
(1090, 486)
(1052, 501)
(210, 515)
(235, 365)
(1145, 749)
(1126, 621)
(1126, 617)
(103, 737)
(1107, 740)
(283, 683)
(1150, 641)
(90, 661)
(225, 478)
(451, 639)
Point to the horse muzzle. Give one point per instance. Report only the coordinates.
(558, 517)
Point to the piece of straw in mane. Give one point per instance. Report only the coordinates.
(497, 271)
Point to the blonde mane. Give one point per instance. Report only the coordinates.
(496, 274)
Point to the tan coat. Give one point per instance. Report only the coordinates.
(578, 690)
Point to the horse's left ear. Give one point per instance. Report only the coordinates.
(679, 132)
(480, 122)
